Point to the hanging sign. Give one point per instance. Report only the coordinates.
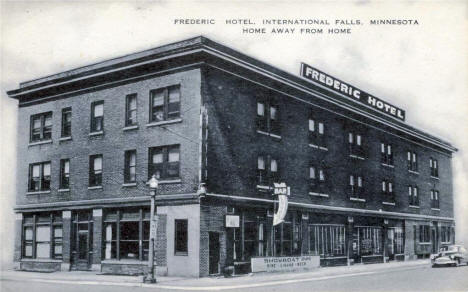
(282, 191)
(232, 221)
(350, 91)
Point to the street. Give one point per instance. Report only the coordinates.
(420, 278)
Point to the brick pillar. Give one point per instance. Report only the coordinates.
(409, 240)
(18, 238)
(385, 240)
(305, 234)
(66, 240)
(349, 235)
(97, 240)
(160, 249)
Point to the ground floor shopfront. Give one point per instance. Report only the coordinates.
(193, 240)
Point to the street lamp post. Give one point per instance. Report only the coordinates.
(149, 277)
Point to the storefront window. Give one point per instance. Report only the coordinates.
(37, 239)
(370, 241)
(327, 240)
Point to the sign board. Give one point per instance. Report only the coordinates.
(281, 189)
(285, 264)
(232, 221)
(153, 226)
(350, 91)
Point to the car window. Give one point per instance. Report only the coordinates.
(453, 248)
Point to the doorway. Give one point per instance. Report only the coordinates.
(213, 253)
(82, 240)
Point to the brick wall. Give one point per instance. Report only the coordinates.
(161, 242)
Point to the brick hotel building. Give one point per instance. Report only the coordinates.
(365, 186)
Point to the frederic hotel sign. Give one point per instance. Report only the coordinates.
(350, 91)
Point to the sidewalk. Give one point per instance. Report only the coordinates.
(211, 283)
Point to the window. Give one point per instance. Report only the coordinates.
(434, 167)
(412, 158)
(387, 191)
(131, 110)
(164, 162)
(41, 127)
(316, 132)
(268, 117)
(66, 122)
(39, 177)
(283, 235)
(424, 233)
(327, 240)
(317, 179)
(181, 237)
(42, 236)
(95, 170)
(130, 166)
(413, 196)
(355, 187)
(165, 104)
(445, 234)
(267, 170)
(64, 173)
(356, 145)
(434, 199)
(97, 116)
(398, 239)
(386, 154)
(370, 240)
(126, 234)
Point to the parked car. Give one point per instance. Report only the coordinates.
(453, 255)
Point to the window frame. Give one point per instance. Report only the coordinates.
(128, 166)
(129, 111)
(265, 122)
(95, 176)
(266, 176)
(165, 164)
(412, 161)
(52, 223)
(355, 144)
(386, 157)
(43, 129)
(66, 125)
(184, 251)
(165, 105)
(389, 191)
(64, 182)
(356, 186)
(434, 167)
(316, 135)
(413, 193)
(95, 120)
(435, 199)
(41, 178)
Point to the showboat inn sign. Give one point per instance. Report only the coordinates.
(350, 91)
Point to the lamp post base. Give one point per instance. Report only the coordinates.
(149, 279)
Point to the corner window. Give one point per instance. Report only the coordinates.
(268, 117)
(39, 177)
(386, 154)
(64, 173)
(412, 159)
(165, 104)
(164, 162)
(181, 237)
(97, 116)
(434, 167)
(95, 170)
(131, 110)
(41, 127)
(130, 166)
(66, 122)
(413, 196)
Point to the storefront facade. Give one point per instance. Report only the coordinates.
(365, 187)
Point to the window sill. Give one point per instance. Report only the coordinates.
(388, 203)
(38, 192)
(435, 209)
(435, 177)
(357, 199)
(357, 157)
(128, 128)
(161, 123)
(318, 147)
(124, 262)
(263, 187)
(96, 134)
(63, 190)
(178, 254)
(413, 172)
(413, 206)
(318, 194)
(40, 142)
(95, 188)
(269, 134)
(41, 260)
(388, 165)
(424, 243)
(167, 181)
(133, 184)
(61, 139)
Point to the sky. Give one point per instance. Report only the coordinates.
(421, 68)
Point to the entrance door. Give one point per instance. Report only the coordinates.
(82, 240)
(213, 253)
(391, 243)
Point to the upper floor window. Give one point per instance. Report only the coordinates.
(355, 187)
(267, 170)
(130, 166)
(434, 167)
(317, 179)
(413, 196)
(39, 177)
(97, 116)
(41, 127)
(434, 199)
(165, 104)
(95, 170)
(386, 154)
(131, 110)
(316, 132)
(356, 145)
(64, 173)
(387, 191)
(66, 122)
(164, 162)
(268, 117)
(412, 159)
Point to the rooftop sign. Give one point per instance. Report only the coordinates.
(350, 91)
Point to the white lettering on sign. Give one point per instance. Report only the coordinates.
(350, 91)
(285, 264)
(232, 221)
